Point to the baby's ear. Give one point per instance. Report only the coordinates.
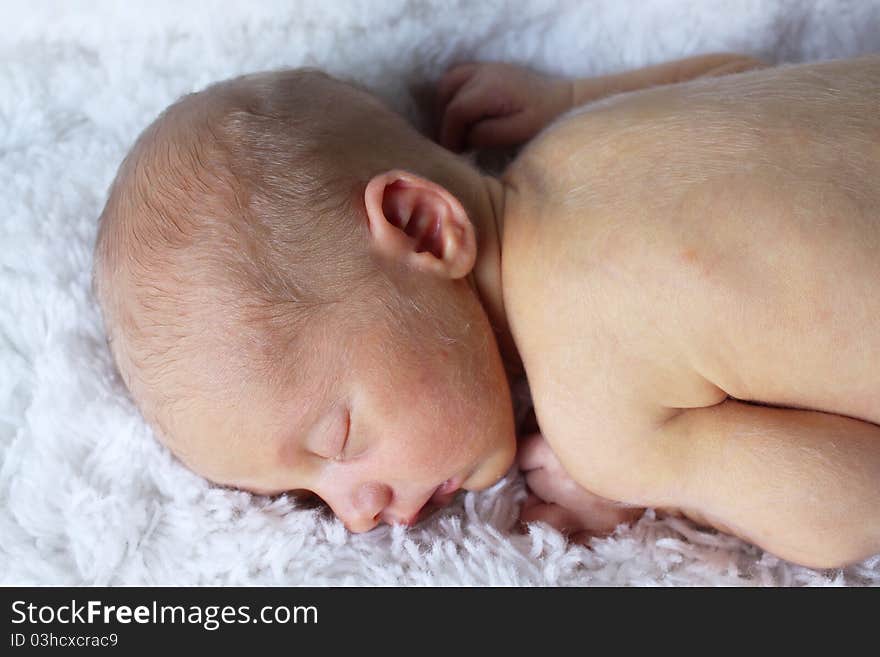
(418, 222)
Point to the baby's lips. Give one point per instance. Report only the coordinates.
(442, 496)
(448, 486)
(445, 492)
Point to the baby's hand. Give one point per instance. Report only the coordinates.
(562, 503)
(495, 104)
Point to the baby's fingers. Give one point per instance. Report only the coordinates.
(530, 501)
(470, 105)
(502, 131)
(534, 452)
(551, 488)
(559, 518)
(451, 82)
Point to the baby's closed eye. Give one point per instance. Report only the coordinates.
(343, 445)
(329, 439)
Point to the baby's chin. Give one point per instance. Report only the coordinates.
(491, 470)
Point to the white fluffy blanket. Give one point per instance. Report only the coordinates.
(86, 495)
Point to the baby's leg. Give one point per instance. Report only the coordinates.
(804, 485)
(560, 501)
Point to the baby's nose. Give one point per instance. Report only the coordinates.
(368, 502)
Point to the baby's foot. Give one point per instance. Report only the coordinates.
(558, 500)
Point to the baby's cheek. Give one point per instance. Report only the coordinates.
(436, 420)
(436, 448)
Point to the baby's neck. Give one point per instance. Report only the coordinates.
(490, 200)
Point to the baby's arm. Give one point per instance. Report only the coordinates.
(803, 485)
(495, 104)
(681, 70)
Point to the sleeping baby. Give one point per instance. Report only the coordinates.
(303, 293)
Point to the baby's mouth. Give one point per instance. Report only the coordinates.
(437, 499)
(450, 486)
(442, 496)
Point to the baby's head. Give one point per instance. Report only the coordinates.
(283, 266)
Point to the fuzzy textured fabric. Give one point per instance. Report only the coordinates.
(87, 496)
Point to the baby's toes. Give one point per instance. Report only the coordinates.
(533, 452)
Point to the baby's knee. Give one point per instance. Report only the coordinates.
(841, 552)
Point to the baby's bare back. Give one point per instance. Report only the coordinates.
(687, 244)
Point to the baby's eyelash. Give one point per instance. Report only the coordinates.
(341, 455)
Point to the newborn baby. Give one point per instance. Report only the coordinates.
(302, 292)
